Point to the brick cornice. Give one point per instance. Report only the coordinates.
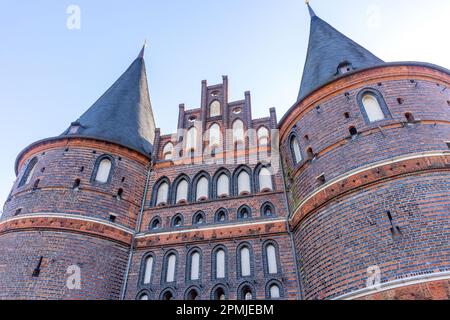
(210, 234)
(364, 133)
(78, 142)
(67, 223)
(355, 80)
(367, 177)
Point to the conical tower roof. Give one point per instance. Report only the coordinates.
(327, 50)
(123, 114)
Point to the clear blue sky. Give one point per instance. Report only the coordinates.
(49, 75)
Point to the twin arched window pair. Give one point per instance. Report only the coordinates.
(372, 106)
(215, 138)
(221, 186)
(219, 263)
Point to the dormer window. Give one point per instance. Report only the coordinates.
(344, 67)
(74, 129)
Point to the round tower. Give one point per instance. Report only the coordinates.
(366, 159)
(70, 217)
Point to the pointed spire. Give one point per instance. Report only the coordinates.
(311, 11)
(329, 49)
(123, 114)
(141, 54)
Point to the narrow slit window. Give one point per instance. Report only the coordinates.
(245, 262)
(148, 269)
(271, 259)
(295, 148)
(220, 264)
(195, 266)
(171, 265)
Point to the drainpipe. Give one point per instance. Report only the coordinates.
(291, 236)
(136, 231)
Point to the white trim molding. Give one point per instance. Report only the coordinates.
(403, 282)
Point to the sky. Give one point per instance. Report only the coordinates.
(52, 67)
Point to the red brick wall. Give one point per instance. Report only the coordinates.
(345, 229)
(329, 136)
(287, 277)
(55, 192)
(102, 265)
(337, 243)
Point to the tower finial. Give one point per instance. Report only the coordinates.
(311, 11)
(141, 54)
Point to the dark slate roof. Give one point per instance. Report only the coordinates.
(123, 114)
(326, 50)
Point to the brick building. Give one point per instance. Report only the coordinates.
(346, 197)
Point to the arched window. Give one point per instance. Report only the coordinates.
(182, 191)
(194, 267)
(202, 189)
(271, 255)
(148, 269)
(244, 212)
(274, 291)
(238, 131)
(246, 292)
(295, 150)
(245, 262)
(214, 109)
(155, 224)
(162, 194)
(143, 296)
(243, 183)
(219, 294)
(177, 221)
(263, 136)
(199, 218)
(265, 180)
(103, 170)
(267, 210)
(171, 262)
(191, 139)
(192, 294)
(214, 135)
(372, 107)
(221, 216)
(167, 295)
(29, 171)
(223, 186)
(168, 151)
(220, 264)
